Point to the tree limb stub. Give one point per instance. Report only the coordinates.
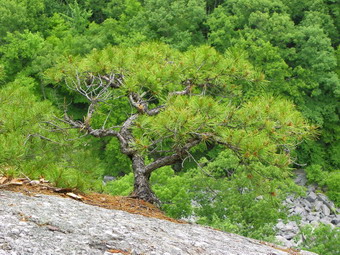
(186, 91)
(142, 106)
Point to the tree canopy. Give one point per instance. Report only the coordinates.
(177, 101)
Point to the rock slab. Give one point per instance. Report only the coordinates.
(46, 225)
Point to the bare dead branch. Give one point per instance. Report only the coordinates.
(96, 88)
(186, 91)
(155, 110)
(142, 106)
(89, 130)
(41, 137)
(53, 127)
(107, 117)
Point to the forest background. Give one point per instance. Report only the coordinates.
(285, 49)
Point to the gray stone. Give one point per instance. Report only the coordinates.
(314, 223)
(326, 221)
(312, 187)
(292, 227)
(336, 221)
(300, 177)
(322, 197)
(311, 218)
(311, 197)
(325, 210)
(108, 178)
(303, 222)
(280, 225)
(283, 241)
(299, 210)
(306, 204)
(78, 228)
(289, 235)
(317, 205)
(289, 200)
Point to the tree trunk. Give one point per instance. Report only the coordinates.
(142, 189)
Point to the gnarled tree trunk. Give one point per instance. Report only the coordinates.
(142, 187)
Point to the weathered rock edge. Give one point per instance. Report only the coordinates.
(44, 225)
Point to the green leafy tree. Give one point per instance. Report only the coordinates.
(322, 239)
(177, 102)
(18, 15)
(178, 23)
(291, 41)
(18, 52)
(28, 147)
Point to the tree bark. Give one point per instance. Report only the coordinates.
(142, 189)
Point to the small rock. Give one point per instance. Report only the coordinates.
(5, 246)
(280, 225)
(315, 223)
(108, 178)
(299, 210)
(322, 198)
(325, 210)
(306, 204)
(289, 200)
(326, 221)
(336, 221)
(283, 241)
(289, 235)
(311, 197)
(317, 205)
(312, 187)
(311, 218)
(34, 182)
(292, 226)
(302, 223)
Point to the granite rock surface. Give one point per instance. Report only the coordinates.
(44, 225)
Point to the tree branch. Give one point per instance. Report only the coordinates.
(83, 126)
(142, 106)
(171, 159)
(41, 137)
(186, 91)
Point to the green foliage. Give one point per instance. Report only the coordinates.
(77, 17)
(291, 41)
(28, 147)
(18, 15)
(332, 184)
(175, 22)
(322, 239)
(274, 53)
(122, 187)
(242, 198)
(18, 52)
(116, 162)
(20, 116)
(330, 180)
(172, 190)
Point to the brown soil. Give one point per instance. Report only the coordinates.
(131, 205)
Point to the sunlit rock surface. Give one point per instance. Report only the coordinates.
(45, 225)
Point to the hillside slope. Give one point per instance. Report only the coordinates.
(44, 224)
